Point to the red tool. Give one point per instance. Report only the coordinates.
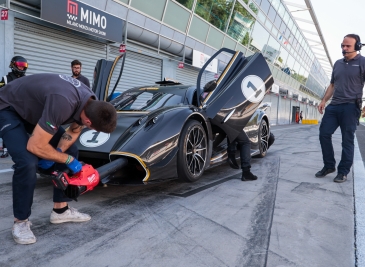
(79, 183)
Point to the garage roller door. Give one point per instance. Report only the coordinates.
(139, 69)
(50, 50)
(189, 76)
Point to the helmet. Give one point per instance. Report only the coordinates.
(210, 86)
(16, 62)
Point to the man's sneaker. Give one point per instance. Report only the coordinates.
(324, 172)
(22, 233)
(340, 178)
(248, 176)
(4, 155)
(70, 215)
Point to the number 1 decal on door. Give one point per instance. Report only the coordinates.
(253, 88)
(93, 138)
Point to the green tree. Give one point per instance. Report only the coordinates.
(215, 12)
(186, 3)
(246, 40)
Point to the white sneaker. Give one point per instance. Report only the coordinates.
(70, 215)
(22, 233)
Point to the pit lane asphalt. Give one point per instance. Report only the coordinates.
(285, 218)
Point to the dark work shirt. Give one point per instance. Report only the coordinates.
(84, 80)
(348, 79)
(9, 77)
(49, 100)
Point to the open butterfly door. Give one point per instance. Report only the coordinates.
(107, 75)
(240, 89)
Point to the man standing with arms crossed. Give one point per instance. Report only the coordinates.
(345, 88)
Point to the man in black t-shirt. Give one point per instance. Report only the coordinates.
(346, 90)
(32, 110)
(76, 72)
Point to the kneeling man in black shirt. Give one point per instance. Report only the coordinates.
(32, 110)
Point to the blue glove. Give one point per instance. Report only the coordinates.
(75, 166)
(45, 164)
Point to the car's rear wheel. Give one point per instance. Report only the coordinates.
(263, 139)
(193, 151)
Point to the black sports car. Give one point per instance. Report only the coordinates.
(172, 130)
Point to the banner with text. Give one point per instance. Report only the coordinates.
(200, 58)
(84, 18)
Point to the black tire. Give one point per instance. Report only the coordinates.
(264, 136)
(193, 152)
(271, 139)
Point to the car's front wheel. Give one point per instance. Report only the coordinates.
(193, 151)
(263, 138)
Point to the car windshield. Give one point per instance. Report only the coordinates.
(145, 101)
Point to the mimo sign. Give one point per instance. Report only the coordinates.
(81, 17)
(87, 16)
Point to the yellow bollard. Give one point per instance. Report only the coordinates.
(309, 121)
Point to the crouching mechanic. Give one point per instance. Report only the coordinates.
(32, 110)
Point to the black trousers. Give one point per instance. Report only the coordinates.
(15, 132)
(345, 116)
(242, 142)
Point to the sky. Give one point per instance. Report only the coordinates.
(338, 18)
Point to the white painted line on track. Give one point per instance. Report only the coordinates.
(359, 199)
(6, 170)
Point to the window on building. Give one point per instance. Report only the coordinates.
(290, 24)
(282, 60)
(186, 3)
(275, 4)
(294, 30)
(281, 10)
(254, 7)
(294, 43)
(297, 34)
(259, 38)
(241, 24)
(265, 6)
(282, 28)
(304, 76)
(248, 53)
(277, 22)
(215, 12)
(272, 14)
(271, 50)
(268, 25)
(290, 62)
(261, 17)
(288, 34)
(274, 31)
(286, 17)
(296, 70)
